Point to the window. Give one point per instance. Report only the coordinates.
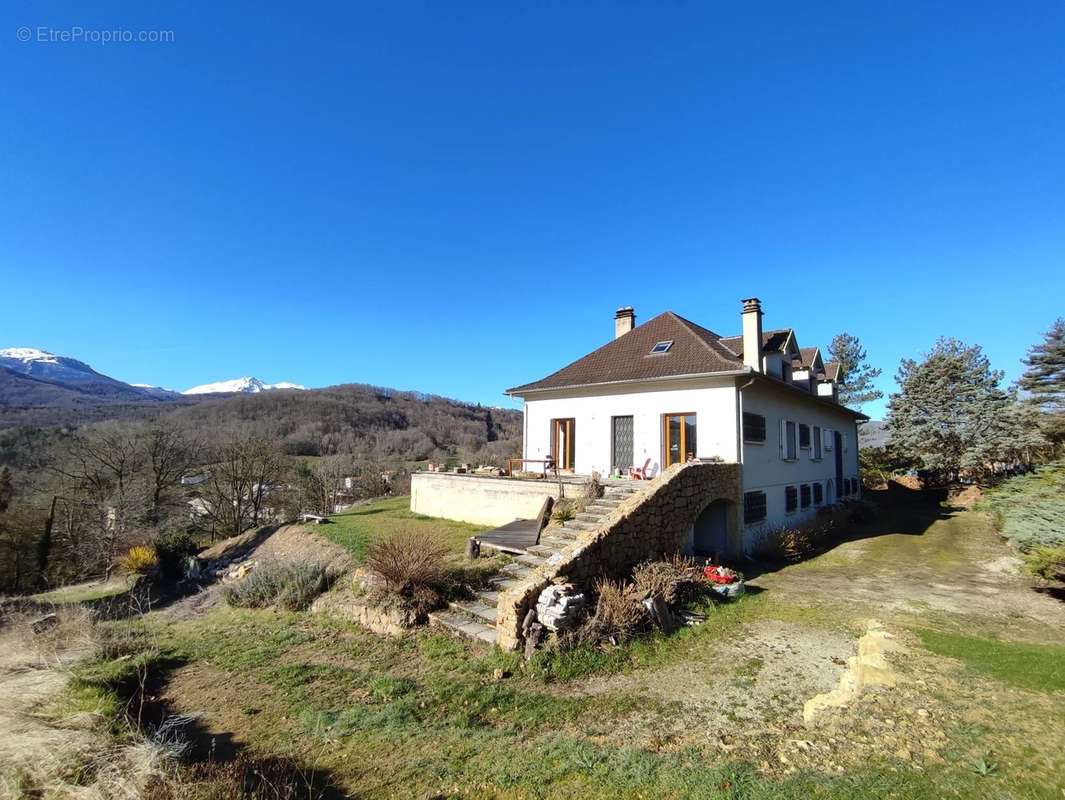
(819, 494)
(788, 450)
(661, 347)
(753, 428)
(817, 443)
(846, 444)
(804, 495)
(804, 437)
(678, 437)
(753, 507)
(828, 438)
(791, 498)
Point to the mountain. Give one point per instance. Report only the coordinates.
(873, 433)
(246, 385)
(32, 377)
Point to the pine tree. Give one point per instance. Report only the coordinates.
(951, 413)
(856, 377)
(1044, 378)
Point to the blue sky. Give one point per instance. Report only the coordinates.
(455, 198)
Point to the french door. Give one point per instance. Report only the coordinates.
(622, 444)
(678, 438)
(563, 442)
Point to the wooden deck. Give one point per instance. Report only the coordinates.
(517, 536)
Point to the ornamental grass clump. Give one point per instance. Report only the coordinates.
(413, 567)
(292, 586)
(563, 512)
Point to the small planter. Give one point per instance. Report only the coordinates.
(726, 583)
(729, 590)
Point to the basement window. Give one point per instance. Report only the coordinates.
(753, 507)
(661, 347)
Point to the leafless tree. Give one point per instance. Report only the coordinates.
(169, 453)
(243, 469)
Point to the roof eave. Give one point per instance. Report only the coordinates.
(521, 391)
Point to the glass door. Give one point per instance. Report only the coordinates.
(622, 452)
(678, 435)
(564, 442)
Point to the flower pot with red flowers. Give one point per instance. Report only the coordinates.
(725, 582)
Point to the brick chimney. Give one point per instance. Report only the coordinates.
(624, 321)
(752, 333)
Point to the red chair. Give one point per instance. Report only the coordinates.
(641, 473)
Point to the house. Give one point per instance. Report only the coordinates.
(671, 391)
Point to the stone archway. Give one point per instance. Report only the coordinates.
(715, 534)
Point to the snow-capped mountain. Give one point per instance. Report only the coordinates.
(30, 376)
(247, 385)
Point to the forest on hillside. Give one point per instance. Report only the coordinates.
(74, 497)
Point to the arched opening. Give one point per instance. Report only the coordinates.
(710, 534)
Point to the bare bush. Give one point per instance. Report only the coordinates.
(619, 611)
(678, 580)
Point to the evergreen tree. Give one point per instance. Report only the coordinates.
(856, 377)
(1044, 377)
(951, 413)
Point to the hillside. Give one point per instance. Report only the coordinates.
(370, 422)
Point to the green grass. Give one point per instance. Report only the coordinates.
(422, 715)
(356, 530)
(83, 593)
(1040, 667)
(1029, 510)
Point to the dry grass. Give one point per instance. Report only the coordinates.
(413, 567)
(678, 580)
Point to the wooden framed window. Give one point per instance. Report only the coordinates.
(819, 494)
(817, 439)
(564, 443)
(805, 495)
(753, 428)
(788, 440)
(804, 436)
(678, 438)
(791, 498)
(753, 507)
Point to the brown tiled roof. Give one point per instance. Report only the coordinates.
(695, 351)
(772, 341)
(832, 370)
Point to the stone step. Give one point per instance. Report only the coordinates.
(589, 516)
(464, 626)
(488, 597)
(543, 550)
(517, 570)
(504, 582)
(608, 505)
(582, 525)
(530, 559)
(475, 610)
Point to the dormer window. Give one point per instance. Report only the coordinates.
(661, 347)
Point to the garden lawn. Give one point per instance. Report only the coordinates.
(356, 530)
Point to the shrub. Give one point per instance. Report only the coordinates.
(139, 560)
(291, 586)
(619, 614)
(677, 580)
(563, 511)
(1047, 562)
(173, 549)
(413, 568)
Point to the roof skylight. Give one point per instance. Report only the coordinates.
(661, 347)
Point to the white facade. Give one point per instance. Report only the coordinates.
(712, 401)
(718, 405)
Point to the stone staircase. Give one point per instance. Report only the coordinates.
(476, 618)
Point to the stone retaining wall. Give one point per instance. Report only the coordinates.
(656, 521)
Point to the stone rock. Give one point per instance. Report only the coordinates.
(559, 606)
(45, 623)
(386, 619)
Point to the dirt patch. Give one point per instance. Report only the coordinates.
(228, 708)
(739, 688)
(298, 543)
